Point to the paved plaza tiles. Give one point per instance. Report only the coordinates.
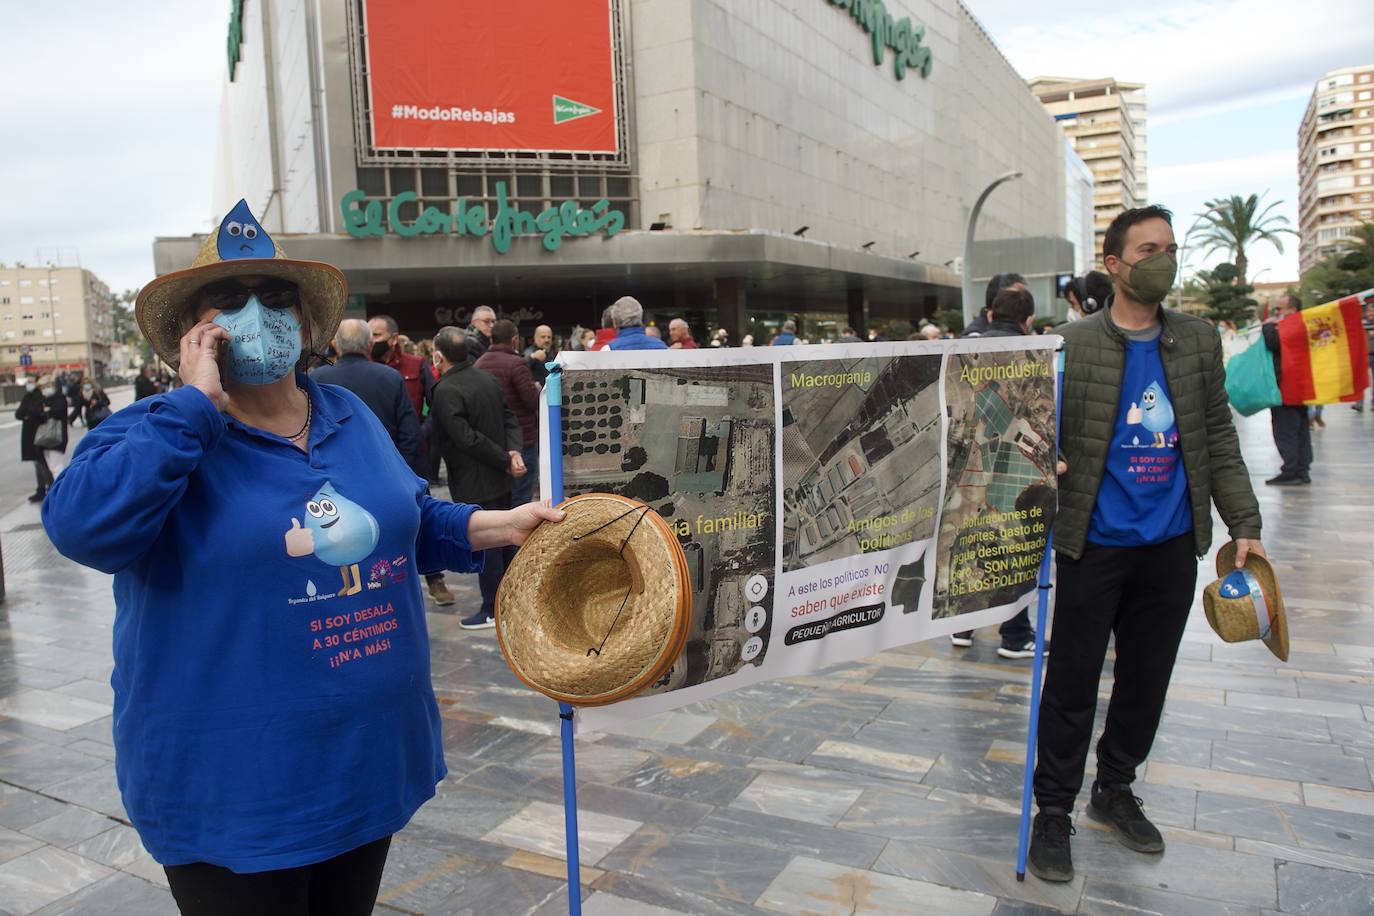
(888, 785)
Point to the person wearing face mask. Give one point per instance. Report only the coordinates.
(1147, 448)
(41, 402)
(274, 719)
(90, 404)
(387, 350)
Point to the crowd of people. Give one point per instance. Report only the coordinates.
(50, 404)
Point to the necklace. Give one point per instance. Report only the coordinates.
(309, 411)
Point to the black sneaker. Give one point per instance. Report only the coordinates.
(1050, 858)
(1284, 480)
(1118, 806)
(1021, 650)
(478, 621)
(962, 640)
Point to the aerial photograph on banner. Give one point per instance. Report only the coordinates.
(1000, 498)
(861, 456)
(698, 446)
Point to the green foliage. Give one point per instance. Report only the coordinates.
(1234, 223)
(951, 320)
(1350, 270)
(1225, 297)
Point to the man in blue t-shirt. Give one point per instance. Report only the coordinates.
(1147, 446)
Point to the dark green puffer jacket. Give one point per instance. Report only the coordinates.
(1190, 349)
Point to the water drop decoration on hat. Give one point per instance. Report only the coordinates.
(242, 236)
(1241, 584)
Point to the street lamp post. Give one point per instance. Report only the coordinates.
(970, 311)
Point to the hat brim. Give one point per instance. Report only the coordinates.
(1277, 640)
(553, 607)
(164, 301)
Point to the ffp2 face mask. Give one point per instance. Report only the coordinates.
(264, 343)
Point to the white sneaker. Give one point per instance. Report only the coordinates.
(961, 640)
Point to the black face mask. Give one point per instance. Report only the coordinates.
(380, 349)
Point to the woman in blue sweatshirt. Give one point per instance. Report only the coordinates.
(274, 720)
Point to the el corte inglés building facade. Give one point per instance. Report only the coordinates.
(732, 163)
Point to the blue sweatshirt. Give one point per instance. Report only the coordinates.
(635, 339)
(273, 705)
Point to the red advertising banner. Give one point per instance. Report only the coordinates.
(528, 75)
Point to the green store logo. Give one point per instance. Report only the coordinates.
(568, 110)
(900, 35)
(365, 218)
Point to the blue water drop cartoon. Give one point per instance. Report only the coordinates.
(338, 531)
(242, 236)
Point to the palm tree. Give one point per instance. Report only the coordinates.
(1236, 222)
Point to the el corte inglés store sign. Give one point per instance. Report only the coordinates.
(365, 218)
(899, 35)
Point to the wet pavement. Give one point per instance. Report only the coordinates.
(887, 785)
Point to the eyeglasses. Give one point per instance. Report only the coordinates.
(231, 295)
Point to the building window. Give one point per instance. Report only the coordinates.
(28, 317)
(26, 300)
(30, 333)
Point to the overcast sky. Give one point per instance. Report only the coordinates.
(109, 119)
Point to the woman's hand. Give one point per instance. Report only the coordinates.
(497, 528)
(199, 368)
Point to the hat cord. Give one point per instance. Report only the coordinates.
(644, 511)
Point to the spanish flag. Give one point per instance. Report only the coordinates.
(1324, 353)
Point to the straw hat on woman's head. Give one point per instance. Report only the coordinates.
(240, 247)
(596, 608)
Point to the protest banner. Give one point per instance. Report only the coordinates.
(832, 501)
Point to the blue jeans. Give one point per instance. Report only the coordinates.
(523, 490)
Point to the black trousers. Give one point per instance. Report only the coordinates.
(1142, 596)
(1293, 437)
(42, 472)
(345, 885)
(494, 564)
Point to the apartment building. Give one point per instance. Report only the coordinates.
(1105, 121)
(1335, 162)
(54, 318)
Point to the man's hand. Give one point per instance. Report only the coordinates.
(538, 354)
(1061, 467)
(1247, 546)
(199, 366)
(300, 542)
(517, 465)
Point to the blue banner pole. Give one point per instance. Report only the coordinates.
(1038, 665)
(553, 397)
